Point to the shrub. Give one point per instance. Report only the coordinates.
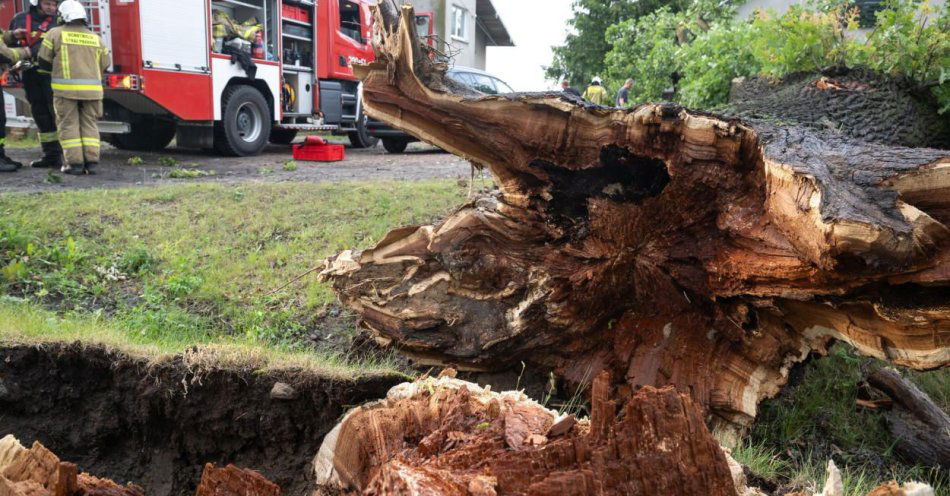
(910, 39)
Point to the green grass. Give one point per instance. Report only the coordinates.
(196, 262)
(816, 420)
(26, 323)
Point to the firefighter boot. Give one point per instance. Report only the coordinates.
(52, 157)
(91, 168)
(7, 164)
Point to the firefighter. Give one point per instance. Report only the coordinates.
(76, 57)
(596, 93)
(27, 30)
(8, 56)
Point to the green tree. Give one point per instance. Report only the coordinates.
(650, 48)
(706, 47)
(581, 57)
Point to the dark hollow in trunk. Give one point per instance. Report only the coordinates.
(666, 245)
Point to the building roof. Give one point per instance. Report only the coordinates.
(490, 22)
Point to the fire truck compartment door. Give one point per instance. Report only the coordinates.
(175, 35)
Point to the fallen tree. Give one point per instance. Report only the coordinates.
(666, 245)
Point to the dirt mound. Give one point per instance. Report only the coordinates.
(158, 424)
(855, 102)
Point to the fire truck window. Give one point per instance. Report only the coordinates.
(350, 20)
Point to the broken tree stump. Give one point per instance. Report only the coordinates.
(39, 472)
(921, 428)
(448, 437)
(667, 245)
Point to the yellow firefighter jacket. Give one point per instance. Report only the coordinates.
(76, 57)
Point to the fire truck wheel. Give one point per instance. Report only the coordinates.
(246, 124)
(283, 136)
(145, 135)
(361, 138)
(395, 145)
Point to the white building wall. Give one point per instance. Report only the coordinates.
(468, 51)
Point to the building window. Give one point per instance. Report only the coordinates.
(459, 23)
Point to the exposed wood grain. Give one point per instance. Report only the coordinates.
(667, 245)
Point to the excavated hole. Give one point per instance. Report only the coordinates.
(621, 177)
(156, 426)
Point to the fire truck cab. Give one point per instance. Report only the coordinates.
(169, 79)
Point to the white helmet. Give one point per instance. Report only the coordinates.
(72, 10)
(596, 79)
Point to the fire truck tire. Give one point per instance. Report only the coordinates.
(361, 138)
(283, 136)
(145, 135)
(395, 145)
(245, 126)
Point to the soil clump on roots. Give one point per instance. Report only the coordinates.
(157, 424)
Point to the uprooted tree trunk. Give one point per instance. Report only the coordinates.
(669, 246)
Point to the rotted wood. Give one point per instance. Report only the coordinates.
(446, 437)
(231, 480)
(921, 428)
(669, 246)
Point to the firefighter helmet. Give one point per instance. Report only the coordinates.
(34, 3)
(72, 10)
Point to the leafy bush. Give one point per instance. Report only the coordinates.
(706, 48)
(709, 66)
(644, 49)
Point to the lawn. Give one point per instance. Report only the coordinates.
(195, 262)
(816, 419)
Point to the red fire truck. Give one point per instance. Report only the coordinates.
(167, 80)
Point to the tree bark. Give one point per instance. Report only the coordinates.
(921, 428)
(666, 245)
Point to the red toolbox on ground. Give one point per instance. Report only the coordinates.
(316, 149)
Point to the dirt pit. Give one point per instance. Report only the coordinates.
(156, 425)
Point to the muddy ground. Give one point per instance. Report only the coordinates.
(419, 162)
(157, 424)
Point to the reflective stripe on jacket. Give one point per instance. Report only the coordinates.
(77, 58)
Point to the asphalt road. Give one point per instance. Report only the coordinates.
(419, 162)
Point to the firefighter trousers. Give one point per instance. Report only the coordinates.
(78, 125)
(39, 93)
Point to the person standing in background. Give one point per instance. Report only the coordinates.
(8, 56)
(566, 88)
(76, 57)
(27, 30)
(623, 96)
(596, 93)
